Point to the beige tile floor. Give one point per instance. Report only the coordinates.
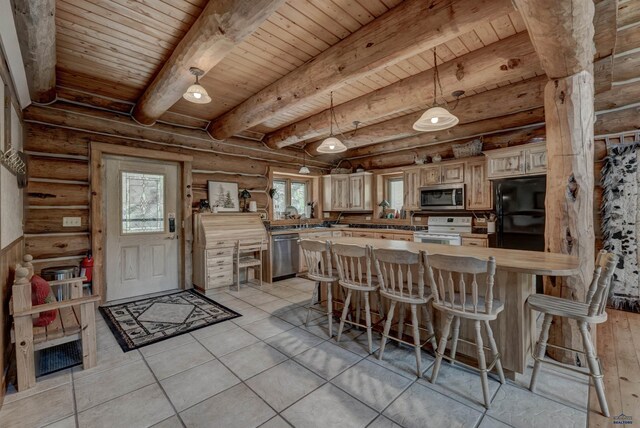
(267, 369)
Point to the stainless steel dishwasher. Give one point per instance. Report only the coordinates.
(286, 255)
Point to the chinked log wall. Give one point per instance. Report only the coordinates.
(57, 140)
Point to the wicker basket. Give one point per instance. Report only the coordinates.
(467, 150)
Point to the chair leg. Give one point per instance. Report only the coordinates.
(238, 277)
(429, 322)
(594, 367)
(358, 298)
(454, 338)
(345, 311)
(313, 302)
(367, 314)
(494, 351)
(482, 363)
(89, 347)
(441, 348)
(260, 272)
(387, 327)
(416, 339)
(401, 319)
(540, 350)
(330, 307)
(380, 307)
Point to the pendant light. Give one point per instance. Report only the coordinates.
(331, 144)
(304, 169)
(436, 118)
(196, 93)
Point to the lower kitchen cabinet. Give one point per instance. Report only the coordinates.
(475, 242)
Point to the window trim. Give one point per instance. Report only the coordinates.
(288, 182)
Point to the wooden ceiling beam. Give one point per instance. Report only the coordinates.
(516, 97)
(511, 58)
(412, 27)
(221, 26)
(36, 27)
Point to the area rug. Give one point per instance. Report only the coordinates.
(621, 221)
(152, 319)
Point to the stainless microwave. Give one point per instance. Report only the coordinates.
(442, 197)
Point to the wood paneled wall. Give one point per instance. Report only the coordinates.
(57, 140)
(9, 256)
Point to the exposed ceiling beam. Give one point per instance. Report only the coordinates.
(467, 130)
(513, 98)
(413, 26)
(511, 58)
(36, 26)
(605, 27)
(221, 26)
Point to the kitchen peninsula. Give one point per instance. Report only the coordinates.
(514, 283)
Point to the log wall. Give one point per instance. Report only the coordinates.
(57, 141)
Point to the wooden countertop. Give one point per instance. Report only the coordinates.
(531, 262)
(362, 229)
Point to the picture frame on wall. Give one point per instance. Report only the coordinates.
(224, 195)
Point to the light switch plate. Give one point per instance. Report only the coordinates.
(71, 221)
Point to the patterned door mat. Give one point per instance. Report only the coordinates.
(153, 319)
(60, 357)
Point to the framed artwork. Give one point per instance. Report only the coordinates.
(224, 195)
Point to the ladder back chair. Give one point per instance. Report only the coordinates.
(245, 258)
(456, 293)
(591, 311)
(401, 277)
(318, 257)
(353, 263)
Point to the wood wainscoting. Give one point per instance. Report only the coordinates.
(9, 256)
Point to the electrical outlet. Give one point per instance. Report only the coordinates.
(71, 221)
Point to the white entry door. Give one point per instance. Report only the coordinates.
(143, 218)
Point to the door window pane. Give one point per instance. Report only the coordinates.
(299, 196)
(395, 193)
(142, 202)
(280, 198)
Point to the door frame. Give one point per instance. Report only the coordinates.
(98, 215)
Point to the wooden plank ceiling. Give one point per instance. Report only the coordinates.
(114, 48)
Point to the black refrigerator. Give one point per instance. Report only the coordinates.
(520, 210)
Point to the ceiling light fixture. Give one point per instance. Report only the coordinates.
(196, 93)
(436, 118)
(331, 144)
(304, 169)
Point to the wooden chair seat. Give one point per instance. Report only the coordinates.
(578, 311)
(249, 261)
(405, 297)
(65, 325)
(468, 311)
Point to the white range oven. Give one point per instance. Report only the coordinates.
(444, 230)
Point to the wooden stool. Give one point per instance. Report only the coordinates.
(354, 275)
(395, 269)
(245, 258)
(592, 311)
(451, 298)
(318, 257)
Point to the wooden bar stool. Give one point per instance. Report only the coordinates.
(318, 257)
(592, 311)
(401, 280)
(355, 275)
(452, 298)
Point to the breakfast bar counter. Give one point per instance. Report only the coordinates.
(514, 283)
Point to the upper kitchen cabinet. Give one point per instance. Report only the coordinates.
(478, 187)
(529, 159)
(412, 182)
(445, 173)
(347, 192)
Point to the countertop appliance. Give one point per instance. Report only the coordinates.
(285, 255)
(444, 230)
(442, 197)
(520, 210)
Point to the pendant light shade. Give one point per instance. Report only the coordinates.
(196, 93)
(435, 119)
(304, 169)
(332, 145)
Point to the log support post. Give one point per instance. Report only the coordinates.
(562, 33)
(569, 114)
